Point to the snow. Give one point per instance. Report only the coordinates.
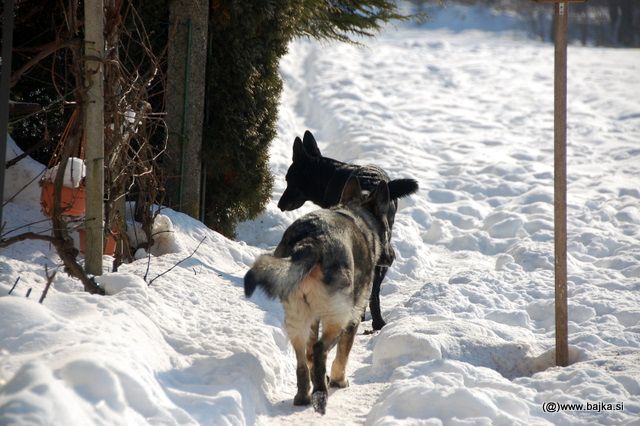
(165, 239)
(469, 301)
(115, 282)
(73, 173)
(22, 177)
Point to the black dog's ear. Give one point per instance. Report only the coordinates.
(298, 150)
(382, 198)
(310, 145)
(351, 190)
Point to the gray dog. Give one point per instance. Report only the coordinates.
(322, 271)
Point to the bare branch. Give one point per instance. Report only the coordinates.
(26, 236)
(11, 231)
(23, 187)
(46, 50)
(26, 153)
(14, 285)
(174, 266)
(146, 273)
(49, 281)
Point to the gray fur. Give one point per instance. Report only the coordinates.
(278, 276)
(322, 271)
(346, 241)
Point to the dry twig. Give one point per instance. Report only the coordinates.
(49, 282)
(14, 285)
(174, 266)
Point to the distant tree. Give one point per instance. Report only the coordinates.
(614, 11)
(626, 34)
(341, 20)
(246, 41)
(600, 22)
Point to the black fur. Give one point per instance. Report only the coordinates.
(250, 283)
(312, 177)
(320, 180)
(399, 188)
(319, 378)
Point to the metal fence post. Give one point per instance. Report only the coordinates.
(5, 81)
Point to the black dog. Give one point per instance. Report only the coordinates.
(312, 177)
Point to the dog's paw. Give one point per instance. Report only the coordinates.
(319, 401)
(339, 383)
(301, 399)
(377, 325)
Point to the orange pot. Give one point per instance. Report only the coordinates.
(72, 200)
(109, 243)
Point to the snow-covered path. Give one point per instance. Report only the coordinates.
(468, 302)
(471, 117)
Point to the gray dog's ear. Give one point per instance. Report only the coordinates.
(298, 150)
(351, 190)
(382, 198)
(310, 145)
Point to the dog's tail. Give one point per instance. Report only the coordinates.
(278, 276)
(399, 188)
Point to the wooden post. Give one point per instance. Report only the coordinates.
(186, 81)
(560, 182)
(561, 14)
(5, 80)
(94, 134)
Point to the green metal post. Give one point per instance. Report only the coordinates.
(5, 81)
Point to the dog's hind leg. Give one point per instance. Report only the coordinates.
(330, 334)
(298, 323)
(381, 271)
(374, 300)
(338, 379)
(313, 338)
(302, 372)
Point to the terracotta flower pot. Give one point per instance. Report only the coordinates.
(72, 200)
(109, 243)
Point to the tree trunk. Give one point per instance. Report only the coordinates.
(186, 76)
(613, 12)
(94, 133)
(625, 30)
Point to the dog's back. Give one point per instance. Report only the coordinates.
(337, 247)
(323, 267)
